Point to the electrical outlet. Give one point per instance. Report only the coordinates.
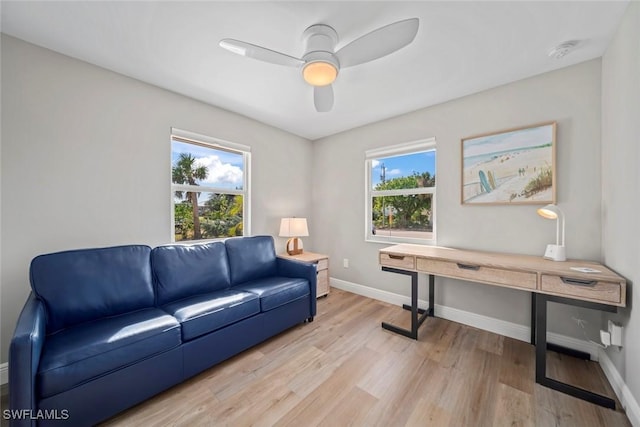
(616, 334)
(345, 263)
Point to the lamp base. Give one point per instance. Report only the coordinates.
(294, 246)
(555, 253)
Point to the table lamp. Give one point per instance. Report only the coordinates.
(555, 252)
(294, 228)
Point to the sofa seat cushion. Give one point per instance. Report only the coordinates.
(276, 291)
(83, 352)
(206, 313)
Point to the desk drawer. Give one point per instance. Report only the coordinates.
(592, 290)
(399, 261)
(477, 273)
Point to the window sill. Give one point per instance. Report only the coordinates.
(398, 240)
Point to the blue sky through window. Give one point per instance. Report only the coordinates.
(225, 169)
(404, 165)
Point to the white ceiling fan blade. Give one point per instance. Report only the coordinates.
(323, 98)
(378, 43)
(260, 53)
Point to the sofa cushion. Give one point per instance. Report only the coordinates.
(206, 313)
(83, 352)
(83, 285)
(276, 291)
(181, 271)
(251, 258)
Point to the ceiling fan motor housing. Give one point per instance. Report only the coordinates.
(320, 42)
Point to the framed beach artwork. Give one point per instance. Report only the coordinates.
(515, 166)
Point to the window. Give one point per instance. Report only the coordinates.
(401, 191)
(209, 187)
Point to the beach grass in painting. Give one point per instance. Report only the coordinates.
(510, 167)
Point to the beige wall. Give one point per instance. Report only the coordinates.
(620, 189)
(570, 96)
(86, 162)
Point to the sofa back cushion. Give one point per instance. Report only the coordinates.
(87, 284)
(182, 271)
(251, 258)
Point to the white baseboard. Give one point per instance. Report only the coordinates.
(4, 373)
(628, 402)
(512, 330)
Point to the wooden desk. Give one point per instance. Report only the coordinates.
(546, 280)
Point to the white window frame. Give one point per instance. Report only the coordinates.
(217, 144)
(428, 144)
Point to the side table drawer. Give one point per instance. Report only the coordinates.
(323, 264)
(400, 261)
(478, 273)
(322, 286)
(593, 290)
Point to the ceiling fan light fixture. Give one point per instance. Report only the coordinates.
(319, 73)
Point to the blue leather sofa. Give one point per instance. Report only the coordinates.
(105, 329)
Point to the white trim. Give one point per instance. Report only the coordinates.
(216, 142)
(4, 373)
(205, 189)
(628, 402)
(425, 144)
(403, 192)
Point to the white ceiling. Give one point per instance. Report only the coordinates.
(461, 48)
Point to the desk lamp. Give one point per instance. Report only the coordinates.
(294, 228)
(555, 252)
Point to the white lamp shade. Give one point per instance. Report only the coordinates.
(555, 252)
(293, 227)
(550, 212)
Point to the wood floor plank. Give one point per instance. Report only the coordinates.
(426, 413)
(513, 408)
(518, 365)
(350, 411)
(344, 369)
(318, 404)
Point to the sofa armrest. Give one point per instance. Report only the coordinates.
(24, 358)
(303, 270)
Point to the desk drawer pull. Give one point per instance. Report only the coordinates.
(468, 267)
(396, 256)
(579, 282)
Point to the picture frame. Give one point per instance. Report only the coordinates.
(510, 167)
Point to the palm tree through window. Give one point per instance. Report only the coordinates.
(209, 188)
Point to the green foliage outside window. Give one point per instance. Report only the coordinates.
(406, 212)
(221, 215)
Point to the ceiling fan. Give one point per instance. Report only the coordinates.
(321, 63)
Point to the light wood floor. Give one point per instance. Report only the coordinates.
(344, 369)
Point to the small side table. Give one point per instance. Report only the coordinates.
(322, 267)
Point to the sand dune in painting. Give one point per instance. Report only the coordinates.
(512, 172)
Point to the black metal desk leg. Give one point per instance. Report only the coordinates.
(533, 318)
(416, 320)
(540, 342)
(541, 359)
(432, 295)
